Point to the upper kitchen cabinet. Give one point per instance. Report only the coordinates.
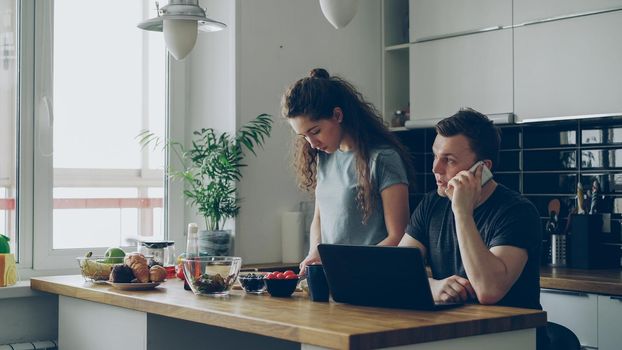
(526, 11)
(438, 18)
(464, 71)
(569, 67)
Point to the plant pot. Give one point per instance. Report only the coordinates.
(215, 243)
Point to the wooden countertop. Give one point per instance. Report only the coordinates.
(331, 325)
(590, 281)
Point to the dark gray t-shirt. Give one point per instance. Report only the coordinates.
(505, 218)
(340, 217)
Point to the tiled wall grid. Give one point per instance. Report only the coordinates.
(543, 161)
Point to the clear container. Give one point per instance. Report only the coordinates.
(162, 253)
(211, 275)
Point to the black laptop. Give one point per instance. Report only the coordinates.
(378, 276)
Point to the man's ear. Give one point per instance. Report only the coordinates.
(338, 114)
(488, 163)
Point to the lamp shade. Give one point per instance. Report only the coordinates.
(180, 35)
(180, 20)
(339, 12)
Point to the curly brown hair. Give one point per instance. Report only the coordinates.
(315, 97)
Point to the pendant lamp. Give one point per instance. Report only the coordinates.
(339, 12)
(180, 21)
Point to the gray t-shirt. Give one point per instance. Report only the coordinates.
(340, 216)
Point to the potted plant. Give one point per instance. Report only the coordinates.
(210, 166)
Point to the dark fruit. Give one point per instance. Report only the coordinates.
(121, 274)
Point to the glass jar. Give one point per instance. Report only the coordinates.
(162, 253)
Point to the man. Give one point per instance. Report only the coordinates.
(482, 243)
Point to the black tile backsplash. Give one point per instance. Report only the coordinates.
(510, 138)
(510, 180)
(541, 202)
(601, 158)
(419, 163)
(545, 183)
(606, 131)
(608, 183)
(544, 161)
(509, 161)
(548, 136)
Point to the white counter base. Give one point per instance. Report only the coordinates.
(90, 325)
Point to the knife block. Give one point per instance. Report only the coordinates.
(585, 244)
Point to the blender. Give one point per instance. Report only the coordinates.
(162, 253)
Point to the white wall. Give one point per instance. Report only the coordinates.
(276, 43)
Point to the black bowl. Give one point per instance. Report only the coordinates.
(281, 288)
(253, 283)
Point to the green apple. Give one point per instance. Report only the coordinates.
(114, 256)
(4, 245)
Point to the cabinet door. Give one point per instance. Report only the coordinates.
(575, 310)
(609, 321)
(439, 17)
(466, 71)
(531, 10)
(569, 67)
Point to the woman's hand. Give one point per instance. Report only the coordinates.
(311, 259)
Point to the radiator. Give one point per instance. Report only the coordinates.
(36, 345)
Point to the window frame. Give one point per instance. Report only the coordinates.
(35, 173)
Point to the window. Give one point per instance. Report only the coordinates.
(8, 121)
(97, 83)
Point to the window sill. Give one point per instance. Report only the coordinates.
(22, 288)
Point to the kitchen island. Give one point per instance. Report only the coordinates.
(99, 316)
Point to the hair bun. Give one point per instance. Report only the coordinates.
(319, 73)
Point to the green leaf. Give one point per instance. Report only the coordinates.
(211, 165)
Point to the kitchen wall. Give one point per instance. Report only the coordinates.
(236, 74)
(545, 161)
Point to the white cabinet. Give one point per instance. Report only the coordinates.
(569, 67)
(609, 322)
(531, 10)
(465, 71)
(431, 18)
(574, 310)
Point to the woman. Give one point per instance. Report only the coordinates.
(357, 168)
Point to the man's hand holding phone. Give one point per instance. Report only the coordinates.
(464, 189)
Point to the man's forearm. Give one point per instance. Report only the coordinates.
(486, 272)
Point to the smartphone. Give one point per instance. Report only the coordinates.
(486, 173)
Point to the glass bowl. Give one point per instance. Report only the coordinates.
(94, 269)
(281, 287)
(253, 282)
(211, 275)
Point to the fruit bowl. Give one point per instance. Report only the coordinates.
(281, 287)
(211, 275)
(94, 268)
(252, 282)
